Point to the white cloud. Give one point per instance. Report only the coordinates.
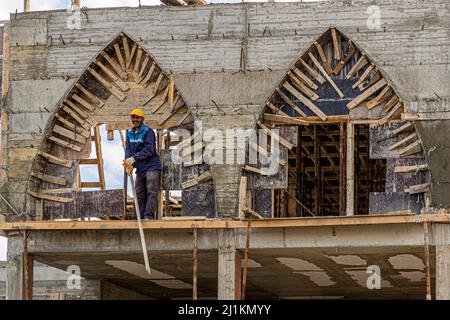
(10, 6)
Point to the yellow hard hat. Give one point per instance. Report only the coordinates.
(137, 112)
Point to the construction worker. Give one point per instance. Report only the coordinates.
(140, 153)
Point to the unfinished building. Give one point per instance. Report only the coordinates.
(360, 113)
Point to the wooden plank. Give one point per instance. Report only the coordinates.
(143, 66)
(304, 78)
(403, 152)
(323, 57)
(418, 188)
(359, 99)
(290, 102)
(137, 62)
(400, 129)
(59, 190)
(409, 169)
(105, 83)
(163, 98)
(364, 76)
(56, 160)
(157, 83)
(275, 109)
(126, 49)
(149, 74)
(98, 152)
(436, 115)
(116, 79)
(49, 197)
(380, 98)
(391, 103)
(325, 74)
(180, 122)
(350, 170)
(312, 72)
(113, 63)
(68, 134)
(64, 144)
(324, 221)
(205, 176)
(83, 102)
(253, 213)
(336, 44)
(71, 126)
(76, 117)
(171, 93)
(120, 57)
(403, 141)
(362, 61)
(285, 119)
(265, 153)
(91, 96)
(49, 178)
(242, 195)
(282, 140)
(363, 86)
(133, 50)
(305, 101)
(254, 170)
(91, 184)
(88, 161)
(397, 109)
(342, 63)
(302, 87)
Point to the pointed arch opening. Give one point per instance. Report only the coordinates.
(340, 123)
(121, 77)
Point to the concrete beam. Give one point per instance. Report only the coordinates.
(226, 274)
(441, 233)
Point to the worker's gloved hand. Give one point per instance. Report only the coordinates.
(130, 161)
(129, 170)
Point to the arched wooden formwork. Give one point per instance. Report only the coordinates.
(122, 76)
(336, 82)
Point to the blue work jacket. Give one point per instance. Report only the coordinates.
(141, 145)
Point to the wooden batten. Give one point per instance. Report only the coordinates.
(380, 98)
(254, 170)
(364, 76)
(392, 114)
(305, 101)
(49, 197)
(120, 58)
(312, 72)
(126, 49)
(77, 117)
(147, 78)
(142, 69)
(49, 178)
(108, 85)
(391, 103)
(363, 86)
(285, 119)
(183, 119)
(242, 196)
(303, 77)
(403, 141)
(411, 169)
(362, 61)
(56, 160)
(336, 44)
(71, 126)
(264, 152)
(282, 140)
(325, 74)
(205, 176)
(116, 79)
(276, 110)
(68, 134)
(99, 103)
(83, 102)
(344, 62)
(137, 62)
(410, 149)
(133, 50)
(359, 99)
(303, 87)
(418, 188)
(113, 63)
(64, 143)
(323, 57)
(161, 103)
(401, 129)
(290, 102)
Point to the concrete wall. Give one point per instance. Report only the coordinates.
(411, 47)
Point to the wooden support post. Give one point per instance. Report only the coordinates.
(427, 260)
(316, 172)
(244, 272)
(194, 264)
(341, 169)
(226, 274)
(28, 262)
(98, 151)
(26, 5)
(166, 191)
(350, 172)
(298, 171)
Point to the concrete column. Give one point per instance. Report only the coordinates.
(350, 176)
(226, 274)
(442, 240)
(14, 268)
